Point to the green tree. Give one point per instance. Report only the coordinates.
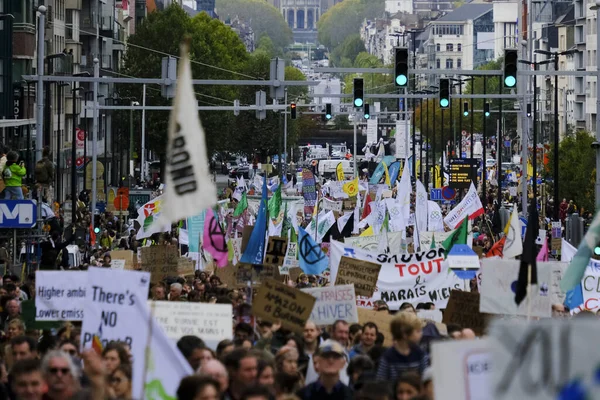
(349, 49)
(266, 44)
(576, 169)
(262, 17)
(343, 20)
(212, 44)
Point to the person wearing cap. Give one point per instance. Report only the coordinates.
(380, 305)
(330, 360)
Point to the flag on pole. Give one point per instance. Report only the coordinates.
(241, 206)
(256, 244)
(497, 248)
(151, 219)
(576, 270)
(470, 205)
(188, 187)
(164, 365)
(351, 187)
(312, 259)
(404, 192)
(394, 170)
(387, 176)
(459, 236)
(543, 254)
(513, 246)
(275, 203)
(421, 207)
(528, 268)
(339, 172)
(213, 239)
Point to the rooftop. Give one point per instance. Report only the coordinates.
(466, 13)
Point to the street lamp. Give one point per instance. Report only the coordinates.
(554, 55)
(460, 82)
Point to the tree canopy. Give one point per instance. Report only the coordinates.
(261, 16)
(345, 54)
(343, 19)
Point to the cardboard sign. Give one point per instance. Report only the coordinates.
(185, 267)
(363, 274)
(255, 273)
(211, 322)
(545, 360)
(294, 273)
(127, 255)
(160, 261)
(462, 369)
(463, 310)
(555, 244)
(333, 303)
(276, 251)
(278, 302)
(380, 318)
(60, 295)
(228, 275)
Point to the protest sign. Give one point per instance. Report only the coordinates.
(111, 312)
(60, 295)
(309, 192)
(211, 322)
(432, 315)
(160, 261)
(127, 255)
(329, 205)
(255, 273)
(362, 274)
(382, 319)
(333, 303)
(185, 267)
(276, 251)
(463, 310)
(415, 278)
(117, 264)
(377, 243)
(228, 275)
(427, 238)
(462, 369)
(278, 302)
(498, 279)
(545, 360)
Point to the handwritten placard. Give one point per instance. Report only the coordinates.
(117, 264)
(127, 255)
(362, 274)
(276, 251)
(185, 266)
(380, 318)
(333, 303)
(278, 302)
(160, 261)
(463, 310)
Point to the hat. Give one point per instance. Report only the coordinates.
(331, 346)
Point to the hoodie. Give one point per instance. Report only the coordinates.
(393, 364)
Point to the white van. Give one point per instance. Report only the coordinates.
(327, 168)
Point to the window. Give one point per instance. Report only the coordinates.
(449, 63)
(459, 63)
(459, 47)
(437, 47)
(449, 47)
(437, 63)
(69, 25)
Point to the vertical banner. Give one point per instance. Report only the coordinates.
(195, 226)
(309, 191)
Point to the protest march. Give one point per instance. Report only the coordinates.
(308, 288)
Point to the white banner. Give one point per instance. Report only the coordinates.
(435, 218)
(372, 130)
(59, 295)
(333, 303)
(427, 238)
(189, 189)
(331, 205)
(211, 322)
(414, 278)
(111, 313)
(498, 281)
(421, 213)
(377, 243)
(470, 205)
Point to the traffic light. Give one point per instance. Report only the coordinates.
(511, 58)
(359, 92)
(401, 67)
(444, 93)
(367, 111)
(486, 109)
(597, 251)
(529, 110)
(328, 111)
(293, 110)
(466, 108)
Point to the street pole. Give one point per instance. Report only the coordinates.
(534, 161)
(143, 155)
(354, 155)
(74, 156)
(130, 145)
(556, 139)
(460, 123)
(427, 170)
(484, 140)
(499, 147)
(421, 139)
(433, 160)
(39, 91)
(442, 142)
(85, 139)
(57, 195)
(94, 138)
(472, 119)
(285, 122)
(597, 147)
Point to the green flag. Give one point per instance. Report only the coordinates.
(241, 207)
(294, 238)
(459, 236)
(275, 203)
(287, 224)
(433, 246)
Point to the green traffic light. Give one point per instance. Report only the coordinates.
(597, 250)
(487, 114)
(510, 81)
(358, 102)
(401, 80)
(444, 102)
(367, 116)
(466, 113)
(96, 230)
(328, 116)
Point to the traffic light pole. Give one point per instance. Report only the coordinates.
(484, 140)
(499, 149)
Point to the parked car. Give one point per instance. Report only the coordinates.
(240, 170)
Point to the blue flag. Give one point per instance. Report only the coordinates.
(312, 259)
(394, 170)
(379, 171)
(574, 297)
(256, 244)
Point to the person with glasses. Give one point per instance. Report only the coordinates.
(61, 375)
(120, 382)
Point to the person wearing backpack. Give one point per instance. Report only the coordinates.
(44, 174)
(12, 174)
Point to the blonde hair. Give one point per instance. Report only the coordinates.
(404, 324)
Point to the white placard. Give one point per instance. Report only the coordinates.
(432, 315)
(333, 303)
(372, 130)
(210, 322)
(463, 262)
(117, 264)
(462, 369)
(112, 314)
(329, 205)
(60, 295)
(545, 360)
(498, 282)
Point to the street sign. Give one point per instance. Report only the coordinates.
(17, 214)
(463, 171)
(448, 193)
(435, 195)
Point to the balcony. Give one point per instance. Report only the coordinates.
(87, 62)
(59, 64)
(107, 25)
